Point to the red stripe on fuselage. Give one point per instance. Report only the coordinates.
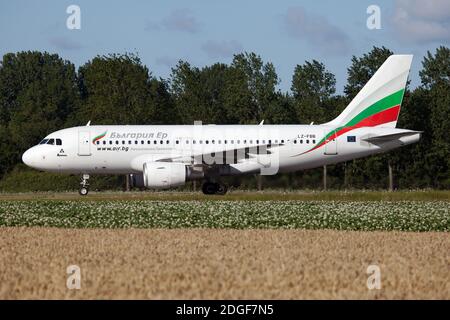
(376, 119)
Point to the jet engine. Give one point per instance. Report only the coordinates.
(164, 174)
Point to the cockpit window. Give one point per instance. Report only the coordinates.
(52, 141)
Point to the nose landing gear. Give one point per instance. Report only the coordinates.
(84, 185)
(214, 188)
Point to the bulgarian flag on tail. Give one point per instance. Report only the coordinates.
(377, 104)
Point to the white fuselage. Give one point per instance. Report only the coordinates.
(125, 149)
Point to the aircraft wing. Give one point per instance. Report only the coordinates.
(236, 154)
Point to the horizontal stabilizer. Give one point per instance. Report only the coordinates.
(391, 137)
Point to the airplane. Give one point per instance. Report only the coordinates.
(166, 156)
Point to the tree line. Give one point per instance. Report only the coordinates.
(41, 92)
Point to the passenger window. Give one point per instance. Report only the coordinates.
(307, 141)
(117, 141)
(97, 142)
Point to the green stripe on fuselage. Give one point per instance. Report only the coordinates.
(391, 100)
(383, 104)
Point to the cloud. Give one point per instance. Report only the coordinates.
(64, 43)
(181, 20)
(317, 31)
(166, 61)
(151, 25)
(422, 22)
(178, 20)
(223, 49)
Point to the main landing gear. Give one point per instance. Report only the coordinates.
(214, 188)
(84, 185)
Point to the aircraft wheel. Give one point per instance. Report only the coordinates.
(221, 189)
(209, 188)
(83, 191)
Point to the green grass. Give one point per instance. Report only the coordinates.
(402, 215)
(241, 195)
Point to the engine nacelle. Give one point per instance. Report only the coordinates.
(164, 174)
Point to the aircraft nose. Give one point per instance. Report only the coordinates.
(29, 157)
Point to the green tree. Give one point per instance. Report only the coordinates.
(435, 77)
(312, 87)
(243, 92)
(119, 89)
(257, 83)
(199, 93)
(38, 91)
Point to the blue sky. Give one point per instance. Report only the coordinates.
(202, 32)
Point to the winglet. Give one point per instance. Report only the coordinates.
(88, 124)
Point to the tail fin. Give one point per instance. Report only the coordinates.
(378, 102)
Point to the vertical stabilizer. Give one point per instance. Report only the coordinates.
(378, 102)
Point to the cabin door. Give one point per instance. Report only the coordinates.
(331, 144)
(84, 143)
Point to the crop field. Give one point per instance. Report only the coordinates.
(223, 263)
(293, 214)
(241, 246)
